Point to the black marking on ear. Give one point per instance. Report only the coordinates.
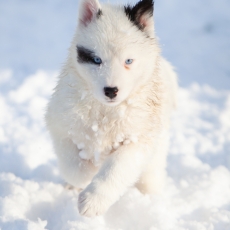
(134, 13)
(99, 13)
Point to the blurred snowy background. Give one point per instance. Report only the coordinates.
(195, 37)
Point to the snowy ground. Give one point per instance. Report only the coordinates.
(195, 37)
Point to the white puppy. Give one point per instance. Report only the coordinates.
(109, 114)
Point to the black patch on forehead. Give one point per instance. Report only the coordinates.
(134, 13)
(85, 55)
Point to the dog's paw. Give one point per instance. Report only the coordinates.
(92, 204)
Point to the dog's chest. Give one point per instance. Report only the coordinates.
(99, 132)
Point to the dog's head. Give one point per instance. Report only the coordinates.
(114, 48)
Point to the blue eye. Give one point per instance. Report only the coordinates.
(129, 61)
(97, 60)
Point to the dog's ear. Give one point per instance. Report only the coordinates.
(141, 14)
(88, 11)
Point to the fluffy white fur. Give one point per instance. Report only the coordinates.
(105, 145)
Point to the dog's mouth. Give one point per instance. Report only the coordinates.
(112, 102)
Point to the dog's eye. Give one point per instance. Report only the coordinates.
(129, 61)
(97, 60)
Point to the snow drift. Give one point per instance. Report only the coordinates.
(33, 196)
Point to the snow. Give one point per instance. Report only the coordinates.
(95, 127)
(80, 145)
(84, 155)
(33, 43)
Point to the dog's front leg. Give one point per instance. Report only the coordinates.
(121, 170)
(74, 170)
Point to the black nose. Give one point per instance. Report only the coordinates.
(111, 92)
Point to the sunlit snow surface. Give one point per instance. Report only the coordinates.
(197, 194)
